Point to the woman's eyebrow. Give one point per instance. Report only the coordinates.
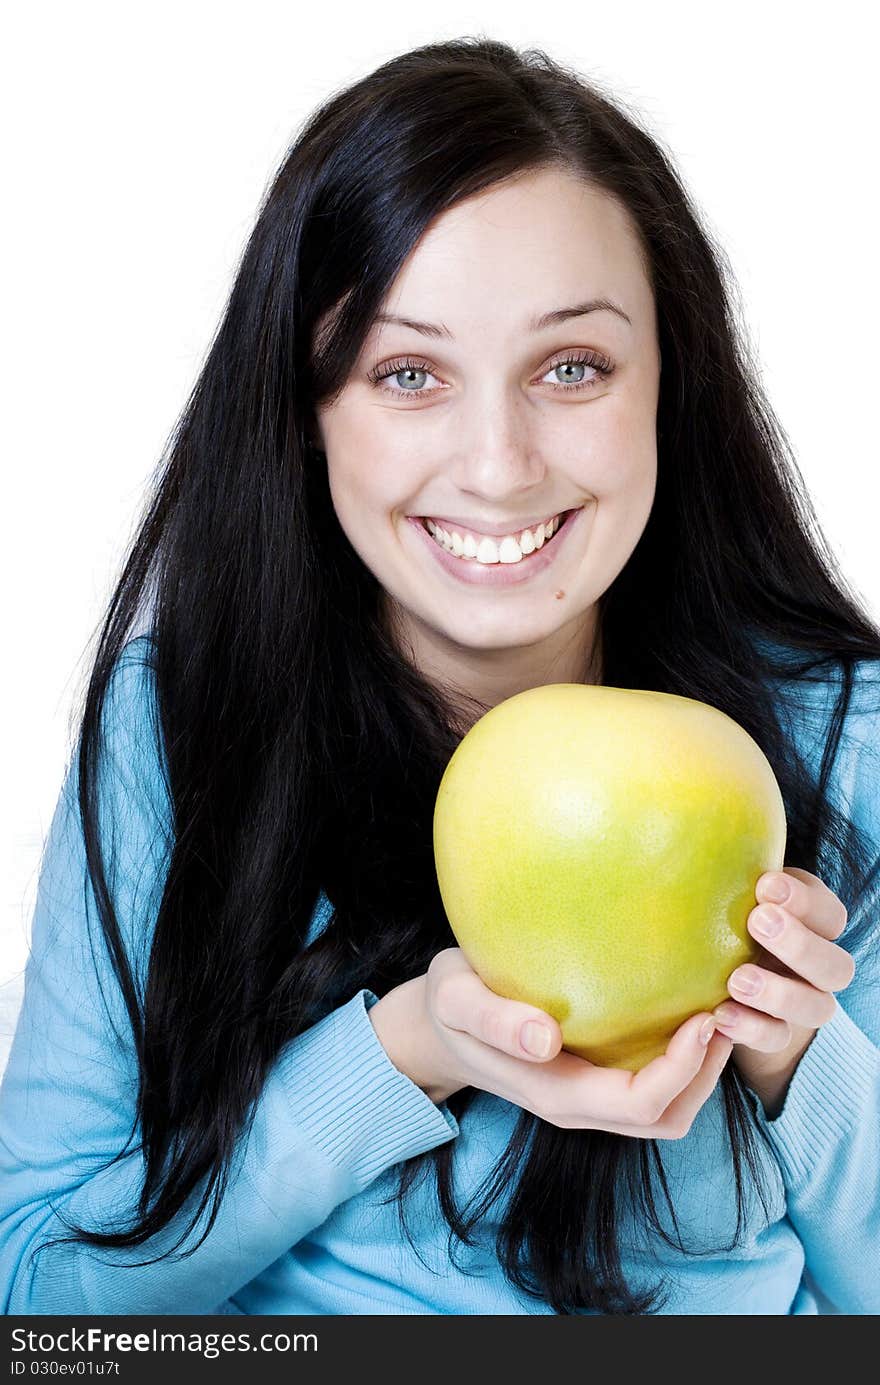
(535, 324)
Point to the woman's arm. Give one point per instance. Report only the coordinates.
(827, 1142)
(333, 1115)
(826, 1136)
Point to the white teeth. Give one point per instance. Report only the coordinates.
(507, 550)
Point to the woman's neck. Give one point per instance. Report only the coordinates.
(572, 654)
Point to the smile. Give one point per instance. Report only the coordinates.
(482, 548)
(509, 561)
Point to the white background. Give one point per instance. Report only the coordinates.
(138, 145)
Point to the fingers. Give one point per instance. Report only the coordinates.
(820, 962)
(786, 997)
(465, 1003)
(746, 1026)
(809, 898)
(661, 1081)
(679, 1115)
(626, 1102)
(766, 1004)
(564, 1089)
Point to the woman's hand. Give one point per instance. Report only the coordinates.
(447, 1030)
(779, 1004)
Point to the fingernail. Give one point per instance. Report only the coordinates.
(535, 1039)
(746, 981)
(707, 1029)
(726, 1014)
(768, 923)
(777, 889)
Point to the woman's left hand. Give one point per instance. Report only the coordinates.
(778, 1004)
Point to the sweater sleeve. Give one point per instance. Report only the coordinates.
(333, 1114)
(826, 1138)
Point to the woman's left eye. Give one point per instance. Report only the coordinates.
(600, 365)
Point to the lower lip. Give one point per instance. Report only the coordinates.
(501, 574)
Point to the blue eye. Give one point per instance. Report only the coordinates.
(577, 364)
(408, 365)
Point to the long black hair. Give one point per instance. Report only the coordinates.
(304, 750)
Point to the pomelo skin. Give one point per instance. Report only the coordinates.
(597, 852)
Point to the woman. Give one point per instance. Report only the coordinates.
(476, 298)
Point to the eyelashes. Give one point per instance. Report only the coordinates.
(602, 366)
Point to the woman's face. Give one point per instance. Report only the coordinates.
(490, 422)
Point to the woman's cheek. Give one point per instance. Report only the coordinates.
(621, 466)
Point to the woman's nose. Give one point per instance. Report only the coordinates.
(495, 449)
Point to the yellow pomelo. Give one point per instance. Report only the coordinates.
(597, 851)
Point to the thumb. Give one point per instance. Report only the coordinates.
(540, 1036)
(466, 1003)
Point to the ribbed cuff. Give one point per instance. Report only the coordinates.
(347, 1094)
(835, 1086)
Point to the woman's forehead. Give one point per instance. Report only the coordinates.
(521, 255)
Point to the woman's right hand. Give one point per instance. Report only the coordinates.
(446, 1030)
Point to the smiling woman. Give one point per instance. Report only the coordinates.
(246, 1025)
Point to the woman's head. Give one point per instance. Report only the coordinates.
(472, 186)
(488, 424)
(477, 189)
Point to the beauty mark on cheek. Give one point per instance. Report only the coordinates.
(559, 595)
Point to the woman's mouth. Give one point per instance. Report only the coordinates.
(485, 561)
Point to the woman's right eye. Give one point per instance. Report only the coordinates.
(405, 367)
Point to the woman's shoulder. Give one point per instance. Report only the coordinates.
(138, 650)
(135, 667)
(129, 717)
(813, 689)
(134, 814)
(814, 682)
(137, 746)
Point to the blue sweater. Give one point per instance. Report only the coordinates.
(302, 1228)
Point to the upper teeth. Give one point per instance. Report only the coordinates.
(510, 549)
